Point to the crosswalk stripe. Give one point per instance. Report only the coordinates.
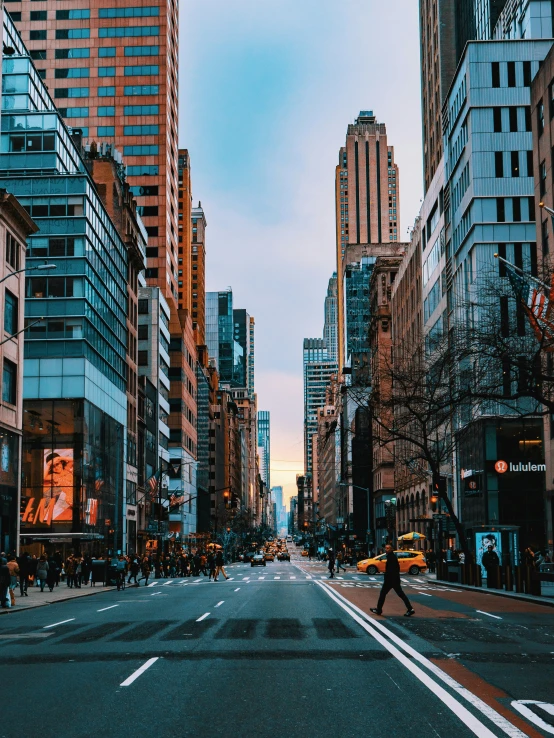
(261, 577)
(276, 577)
(153, 584)
(293, 577)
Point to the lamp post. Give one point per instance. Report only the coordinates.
(367, 491)
(29, 269)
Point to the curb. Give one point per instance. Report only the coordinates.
(22, 608)
(547, 602)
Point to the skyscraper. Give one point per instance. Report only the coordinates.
(367, 196)
(330, 327)
(224, 350)
(445, 28)
(318, 370)
(112, 70)
(264, 443)
(241, 334)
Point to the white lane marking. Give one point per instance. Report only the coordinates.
(203, 617)
(461, 691)
(166, 583)
(183, 581)
(260, 578)
(138, 672)
(339, 577)
(355, 577)
(230, 579)
(198, 580)
(107, 608)
(520, 706)
(60, 623)
(155, 593)
(220, 603)
(424, 594)
(496, 617)
(373, 579)
(245, 578)
(237, 589)
(153, 584)
(293, 577)
(276, 577)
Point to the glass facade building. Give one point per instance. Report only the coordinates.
(224, 350)
(357, 277)
(75, 404)
(264, 443)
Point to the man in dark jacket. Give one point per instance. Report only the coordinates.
(491, 562)
(392, 581)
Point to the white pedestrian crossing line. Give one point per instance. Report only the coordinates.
(293, 577)
(153, 584)
(237, 589)
(203, 617)
(276, 577)
(261, 577)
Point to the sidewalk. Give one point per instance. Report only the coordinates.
(544, 599)
(61, 593)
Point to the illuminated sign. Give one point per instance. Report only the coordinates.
(502, 466)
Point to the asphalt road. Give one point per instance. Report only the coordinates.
(276, 651)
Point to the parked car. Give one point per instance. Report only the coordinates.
(411, 562)
(257, 560)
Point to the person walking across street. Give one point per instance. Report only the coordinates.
(331, 564)
(5, 578)
(490, 563)
(392, 581)
(145, 569)
(339, 562)
(219, 561)
(211, 565)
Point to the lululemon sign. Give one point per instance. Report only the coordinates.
(502, 466)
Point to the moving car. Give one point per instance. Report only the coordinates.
(269, 556)
(283, 556)
(248, 556)
(257, 560)
(305, 552)
(411, 562)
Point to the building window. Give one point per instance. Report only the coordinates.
(37, 35)
(74, 112)
(497, 120)
(143, 358)
(142, 70)
(516, 209)
(76, 14)
(12, 251)
(151, 273)
(500, 210)
(62, 92)
(141, 150)
(143, 307)
(11, 315)
(72, 72)
(527, 74)
(514, 162)
(106, 91)
(498, 164)
(106, 130)
(106, 51)
(106, 111)
(106, 71)
(128, 31)
(513, 119)
(39, 15)
(9, 382)
(139, 170)
(37, 54)
(64, 33)
(152, 10)
(540, 117)
(82, 53)
(511, 74)
(544, 233)
(495, 68)
(141, 90)
(143, 332)
(142, 51)
(148, 130)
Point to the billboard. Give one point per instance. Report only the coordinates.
(58, 482)
(482, 542)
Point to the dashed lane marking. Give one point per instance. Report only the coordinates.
(138, 672)
(220, 603)
(203, 617)
(60, 623)
(237, 589)
(107, 608)
(482, 612)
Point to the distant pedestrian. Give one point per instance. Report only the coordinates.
(42, 572)
(51, 573)
(392, 581)
(331, 564)
(5, 578)
(145, 569)
(211, 565)
(219, 562)
(339, 562)
(133, 570)
(491, 562)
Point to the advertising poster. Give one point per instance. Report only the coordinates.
(58, 483)
(482, 542)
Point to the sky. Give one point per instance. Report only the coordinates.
(267, 89)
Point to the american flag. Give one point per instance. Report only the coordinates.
(153, 484)
(536, 303)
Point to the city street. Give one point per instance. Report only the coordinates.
(277, 650)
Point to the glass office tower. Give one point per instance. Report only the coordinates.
(74, 379)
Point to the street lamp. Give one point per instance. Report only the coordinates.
(29, 269)
(9, 338)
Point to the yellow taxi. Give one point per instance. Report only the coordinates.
(411, 562)
(269, 556)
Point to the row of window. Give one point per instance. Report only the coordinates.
(84, 72)
(126, 31)
(84, 52)
(141, 150)
(106, 91)
(513, 169)
(108, 111)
